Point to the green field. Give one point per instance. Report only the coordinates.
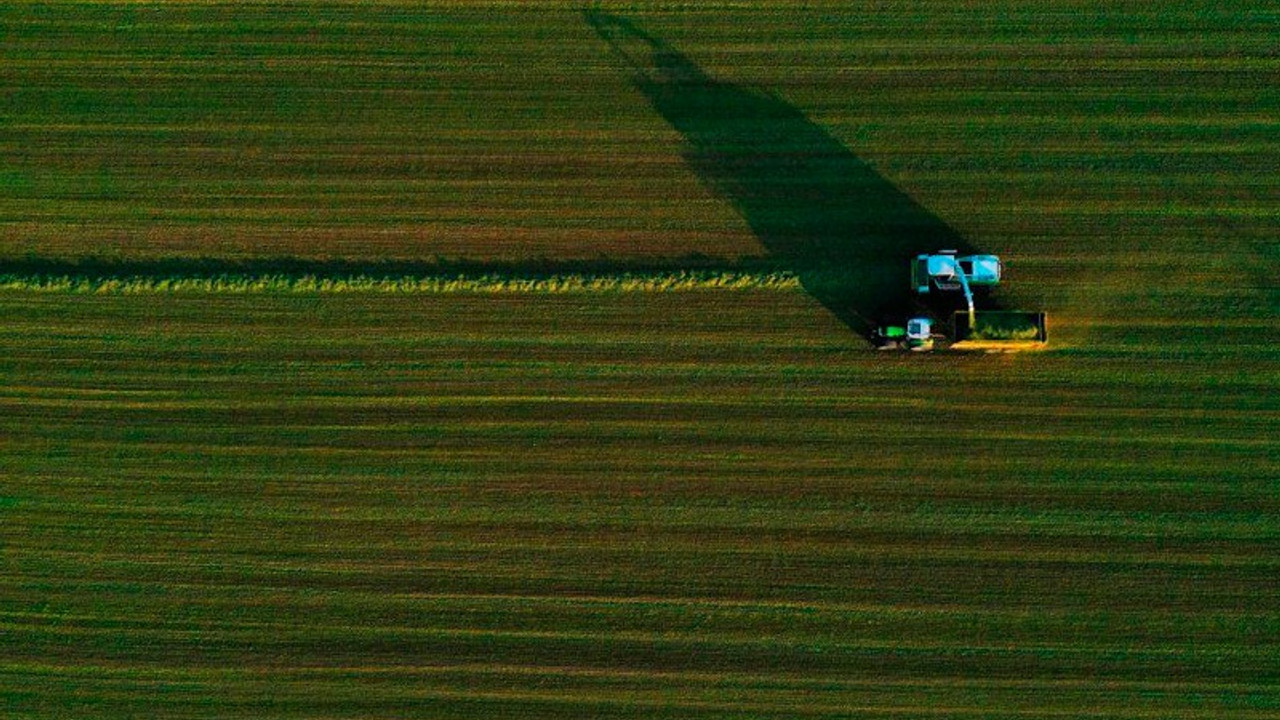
(637, 505)
(469, 360)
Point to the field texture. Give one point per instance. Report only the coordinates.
(391, 360)
(633, 505)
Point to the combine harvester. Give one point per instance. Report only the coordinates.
(991, 330)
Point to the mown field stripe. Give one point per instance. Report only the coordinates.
(679, 281)
(778, 680)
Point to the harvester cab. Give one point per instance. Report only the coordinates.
(944, 271)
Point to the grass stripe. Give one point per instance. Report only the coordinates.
(678, 281)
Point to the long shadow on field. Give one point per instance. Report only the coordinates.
(817, 208)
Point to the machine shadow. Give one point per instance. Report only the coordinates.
(818, 210)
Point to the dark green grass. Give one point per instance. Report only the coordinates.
(629, 505)
(1105, 150)
(1106, 133)
(695, 504)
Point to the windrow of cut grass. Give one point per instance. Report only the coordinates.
(485, 284)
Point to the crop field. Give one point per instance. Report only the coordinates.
(495, 359)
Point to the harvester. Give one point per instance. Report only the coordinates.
(945, 272)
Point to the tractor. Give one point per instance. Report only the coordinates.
(916, 335)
